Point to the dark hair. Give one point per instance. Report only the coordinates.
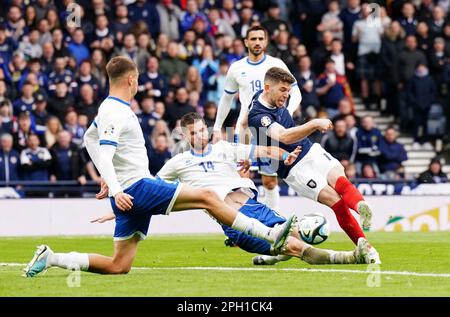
(256, 28)
(119, 66)
(276, 75)
(190, 118)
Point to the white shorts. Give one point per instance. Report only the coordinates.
(309, 176)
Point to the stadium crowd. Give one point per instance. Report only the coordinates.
(52, 75)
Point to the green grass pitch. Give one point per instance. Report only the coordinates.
(414, 264)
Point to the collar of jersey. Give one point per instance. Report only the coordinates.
(204, 154)
(119, 100)
(257, 63)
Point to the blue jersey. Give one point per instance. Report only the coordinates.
(260, 118)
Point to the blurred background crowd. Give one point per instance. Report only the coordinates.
(353, 61)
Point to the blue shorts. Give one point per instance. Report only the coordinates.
(151, 197)
(264, 214)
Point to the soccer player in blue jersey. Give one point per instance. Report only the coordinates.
(315, 174)
(116, 146)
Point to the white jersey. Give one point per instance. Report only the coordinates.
(215, 169)
(247, 78)
(117, 125)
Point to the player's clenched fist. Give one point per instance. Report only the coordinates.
(323, 125)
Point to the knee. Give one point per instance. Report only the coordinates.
(120, 268)
(208, 196)
(269, 182)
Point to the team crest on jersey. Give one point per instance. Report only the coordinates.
(266, 121)
(109, 130)
(13, 160)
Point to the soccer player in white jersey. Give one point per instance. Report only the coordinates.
(246, 77)
(116, 146)
(213, 166)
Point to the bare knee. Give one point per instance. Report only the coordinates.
(328, 196)
(120, 268)
(334, 175)
(208, 197)
(269, 182)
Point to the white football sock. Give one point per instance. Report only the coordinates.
(71, 261)
(272, 198)
(313, 255)
(253, 228)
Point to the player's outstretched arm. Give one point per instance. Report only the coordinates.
(277, 153)
(223, 110)
(295, 134)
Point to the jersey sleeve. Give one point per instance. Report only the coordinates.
(237, 151)
(169, 170)
(231, 85)
(109, 128)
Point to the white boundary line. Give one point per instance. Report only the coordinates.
(261, 269)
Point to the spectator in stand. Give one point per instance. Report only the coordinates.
(230, 15)
(424, 40)
(169, 16)
(421, 94)
(60, 104)
(152, 83)
(273, 23)
(210, 114)
(392, 154)
(30, 46)
(367, 33)
(85, 78)
(39, 115)
(434, 174)
(332, 88)
(331, 21)
(437, 59)
(35, 160)
(191, 14)
(7, 121)
(158, 154)
(216, 83)
(67, 163)
(102, 37)
(179, 108)
(391, 45)
(187, 50)
(437, 23)
(339, 58)
(61, 74)
(7, 46)
(77, 47)
(51, 132)
(9, 159)
(87, 105)
(322, 53)
(349, 16)
(368, 138)
(147, 117)
(339, 143)
(145, 11)
(193, 80)
(171, 64)
(71, 125)
(121, 24)
(219, 26)
(368, 171)
(98, 66)
(408, 21)
(425, 9)
(407, 62)
(47, 59)
(135, 53)
(26, 101)
(23, 132)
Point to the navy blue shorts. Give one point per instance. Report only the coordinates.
(151, 197)
(267, 216)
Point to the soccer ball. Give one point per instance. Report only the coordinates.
(313, 228)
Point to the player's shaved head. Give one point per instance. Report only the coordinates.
(277, 75)
(119, 67)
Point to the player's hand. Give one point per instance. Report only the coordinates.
(244, 166)
(323, 125)
(293, 156)
(123, 201)
(103, 193)
(106, 217)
